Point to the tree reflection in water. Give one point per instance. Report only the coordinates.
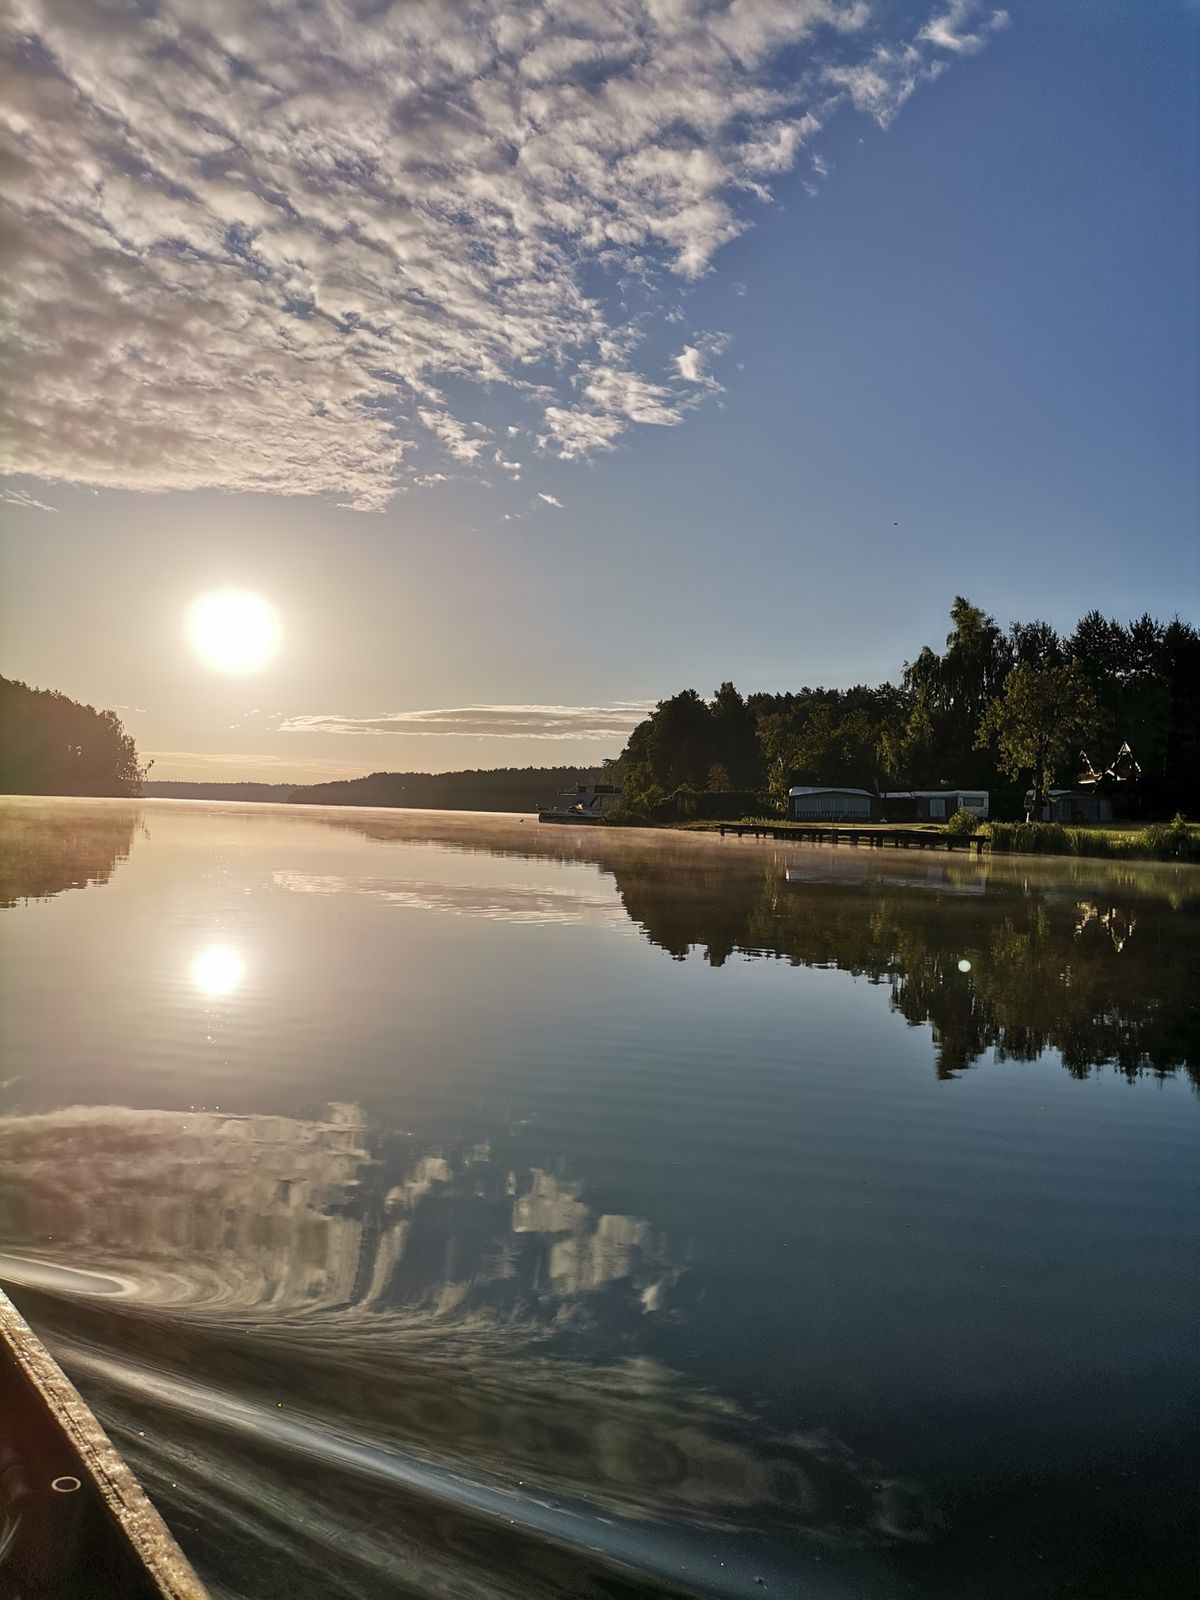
(1098, 961)
(1094, 960)
(1104, 974)
(44, 852)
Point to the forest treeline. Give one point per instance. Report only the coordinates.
(996, 709)
(495, 789)
(500, 789)
(181, 789)
(51, 744)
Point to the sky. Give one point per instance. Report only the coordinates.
(534, 362)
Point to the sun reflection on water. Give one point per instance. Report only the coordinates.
(218, 970)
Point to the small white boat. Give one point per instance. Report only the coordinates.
(584, 803)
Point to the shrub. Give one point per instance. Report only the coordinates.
(627, 816)
(704, 805)
(963, 822)
(1170, 841)
(1160, 841)
(1095, 842)
(1030, 838)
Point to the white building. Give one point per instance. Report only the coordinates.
(807, 804)
(935, 805)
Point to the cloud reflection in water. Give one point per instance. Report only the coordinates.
(420, 1310)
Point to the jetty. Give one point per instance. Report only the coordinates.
(882, 837)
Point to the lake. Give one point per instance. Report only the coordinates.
(435, 1204)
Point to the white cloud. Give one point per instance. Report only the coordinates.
(692, 359)
(949, 31)
(573, 433)
(551, 500)
(18, 497)
(881, 84)
(174, 766)
(490, 722)
(453, 433)
(279, 247)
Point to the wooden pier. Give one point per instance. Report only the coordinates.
(879, 838)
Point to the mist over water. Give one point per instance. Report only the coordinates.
(435, 1204)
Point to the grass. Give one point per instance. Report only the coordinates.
(1156, 841)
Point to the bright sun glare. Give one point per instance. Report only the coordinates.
(218, 970)
(233, 632)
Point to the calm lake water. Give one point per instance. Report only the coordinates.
(444, 1205)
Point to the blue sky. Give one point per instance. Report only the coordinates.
(953, 349)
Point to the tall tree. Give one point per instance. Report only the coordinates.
(735, 738)
(1038, 723)
(1179, 666)
(1035, 644)
(673, 747)
(1125, 669)
(948, 695)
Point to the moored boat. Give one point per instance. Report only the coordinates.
(584, 803)
(75, 1524)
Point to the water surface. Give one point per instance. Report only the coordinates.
(435, 1204)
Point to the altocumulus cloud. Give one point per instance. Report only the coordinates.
(490, 722)
(253, 246)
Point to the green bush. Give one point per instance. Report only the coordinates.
(626, 817)
(963, 822)
(1160, 841)
(1028, 838)
(1170, 841)
(705, 805)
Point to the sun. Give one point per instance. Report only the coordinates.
(233, 632)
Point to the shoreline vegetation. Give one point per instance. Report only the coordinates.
(1174, 841)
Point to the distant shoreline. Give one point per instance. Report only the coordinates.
(1160, 842)
(1169, 843)
(511, 789)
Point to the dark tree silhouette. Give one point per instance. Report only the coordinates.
(498, 789)
(50, 744)
(1135, 683)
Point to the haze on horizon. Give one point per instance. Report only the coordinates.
(532, 363)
